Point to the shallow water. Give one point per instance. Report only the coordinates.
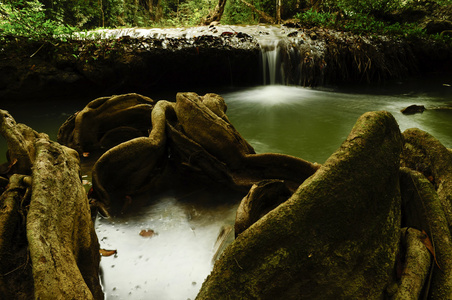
(174, 262)
(312, 124)
(308, 123)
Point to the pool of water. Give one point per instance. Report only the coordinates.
(308, 123)
(312, 124)
(171, 264)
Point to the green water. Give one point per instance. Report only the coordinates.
(308, 123)
(312, 124)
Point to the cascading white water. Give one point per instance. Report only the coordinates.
(271, 58)
(270, 61)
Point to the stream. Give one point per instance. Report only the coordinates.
(304, 122)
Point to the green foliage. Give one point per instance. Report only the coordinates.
(314, 18)
(351, 7)
(236, 12)
(193, 11)
(39, 19)
(367, 17)
(27, 19)
(362, 23)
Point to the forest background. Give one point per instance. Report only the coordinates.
(46, 19)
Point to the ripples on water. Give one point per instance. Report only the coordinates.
(307, 123)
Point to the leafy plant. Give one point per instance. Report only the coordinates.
(236, 12)
(27, 19)
(192, 12)
(314, 18)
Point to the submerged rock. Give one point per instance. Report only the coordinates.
(413, 109)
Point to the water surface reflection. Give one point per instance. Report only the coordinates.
(308, 123)
(311, 124)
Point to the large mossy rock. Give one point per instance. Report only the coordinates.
(336, 237)
(426, 154)
(48, 246)
(187, 142)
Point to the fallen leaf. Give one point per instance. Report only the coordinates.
(104, 252)
(428, 244)
(147, 233)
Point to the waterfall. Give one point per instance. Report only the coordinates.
(295, 58)
(271, 57)
(271, 63)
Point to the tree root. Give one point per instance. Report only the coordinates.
(418, 192)
(416, 268)
(48, 246)
(190, 138)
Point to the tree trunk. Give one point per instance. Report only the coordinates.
(195, 131)
(216, 14)
(278, 11)
(262, 14)
(155, 9)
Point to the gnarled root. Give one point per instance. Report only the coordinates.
(416, 267)
(46, 221)
(418, 194)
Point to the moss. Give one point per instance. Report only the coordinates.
(335, 237)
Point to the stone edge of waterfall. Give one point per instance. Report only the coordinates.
(227, 56)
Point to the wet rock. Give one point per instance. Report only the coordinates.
(413, 109)
(335, 237)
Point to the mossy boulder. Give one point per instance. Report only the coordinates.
(335, 237)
